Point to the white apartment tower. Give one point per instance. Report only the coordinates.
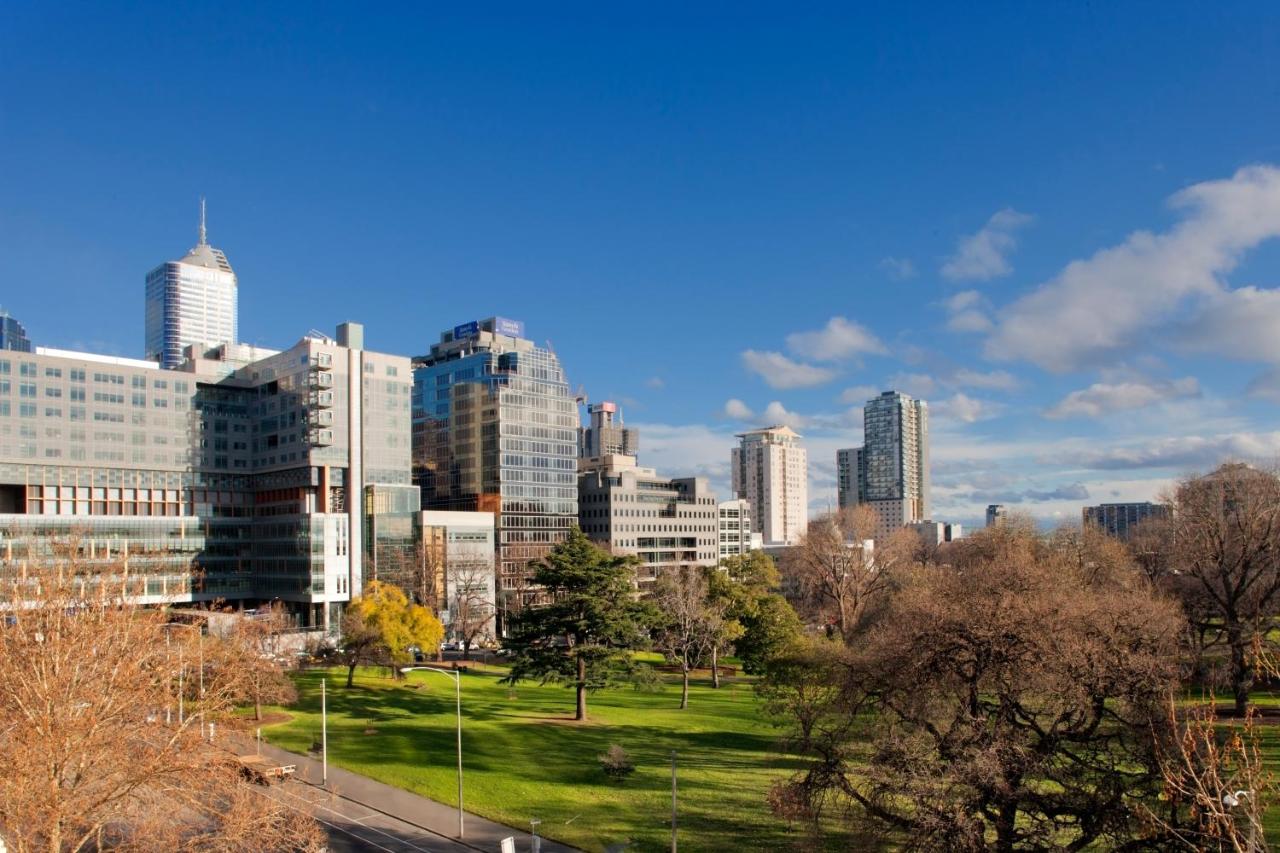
(190, 301)
(771, 470)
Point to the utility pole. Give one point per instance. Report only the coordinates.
(673, 801)
(324, 736)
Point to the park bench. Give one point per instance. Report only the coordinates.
(258, 769)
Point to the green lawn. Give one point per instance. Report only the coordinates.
(523, 757)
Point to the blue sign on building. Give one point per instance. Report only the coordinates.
(512, 328)
(466, 330)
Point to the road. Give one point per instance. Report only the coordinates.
(361, 814)
(355, 828)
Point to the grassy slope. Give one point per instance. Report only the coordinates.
(523, 758)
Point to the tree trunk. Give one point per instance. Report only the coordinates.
(257, 707)
(684, 687)
(1241, 672)
(1006, 827)
(715, 667)
(582, 689)
(351, 673)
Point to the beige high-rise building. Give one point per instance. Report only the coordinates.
(771, 470)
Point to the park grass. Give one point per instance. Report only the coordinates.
(524, 757)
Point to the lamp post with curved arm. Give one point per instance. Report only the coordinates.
(457, 692)
(182, 668)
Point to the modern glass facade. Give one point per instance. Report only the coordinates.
(495, 429)
(894, 466)
(237, 468)
(12, 335)
(392, 555)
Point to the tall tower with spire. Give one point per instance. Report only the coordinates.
(190, 301)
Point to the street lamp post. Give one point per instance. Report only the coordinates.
(324, 735)
(457, 693)
(182, 669)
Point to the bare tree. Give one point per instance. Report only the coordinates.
(250, 659)
(1216, 789)
(1006, 705)
(470, 581)
(840, 578)
(1225, 540)
(691, 620)
(94, 752)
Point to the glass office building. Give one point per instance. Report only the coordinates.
(495, 429)
(13, 336)
(238, 476)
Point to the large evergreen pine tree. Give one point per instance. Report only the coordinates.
(583, 635)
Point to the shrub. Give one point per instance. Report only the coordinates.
(616, 763)
(646, 679)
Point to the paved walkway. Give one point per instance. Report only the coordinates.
(435, 818)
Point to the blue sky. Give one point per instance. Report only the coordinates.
(1055, 222)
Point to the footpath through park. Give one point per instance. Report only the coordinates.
(435, 818)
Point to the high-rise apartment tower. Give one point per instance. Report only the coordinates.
(771, 470)
(894, 478)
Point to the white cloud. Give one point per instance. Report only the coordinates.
(1067, 492)
(1240, 323)
(915, 384)
(995, 380)
(775, 413)
(970, 322)
(1266, 386)
(781, 372)
(839, 339)
(963, 301)
(961, 407)
(655, 382)
(1100, 305)
(1104, 397)
(926, 385)
(1179, 452)
(899, 268)
(968, 312)
(858, 394)
(690, 450)
(738, 410)
(984, 255)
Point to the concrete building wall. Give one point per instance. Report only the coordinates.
(632, 510)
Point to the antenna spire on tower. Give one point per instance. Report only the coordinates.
(203, 237)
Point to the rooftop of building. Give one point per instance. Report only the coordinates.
(204, 255)
(777, 431)
(98, 358)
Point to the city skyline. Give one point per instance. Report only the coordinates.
(1083, 288)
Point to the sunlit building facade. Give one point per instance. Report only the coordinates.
(236, 477)
(189, 301)
(495, 429)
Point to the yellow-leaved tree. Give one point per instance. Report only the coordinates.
(382, 626)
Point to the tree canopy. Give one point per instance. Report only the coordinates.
(382, 626)
(583, 635)
(1008, 702)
